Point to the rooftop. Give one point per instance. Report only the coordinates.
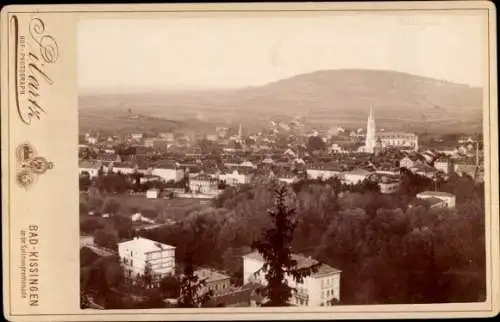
(100, 251)
(302, 262)
(203, 177)
(435, 193)
(433, 200)
(146, 245)
(396, 134)
(210, 275)
(358, 171)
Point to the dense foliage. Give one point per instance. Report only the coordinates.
(388, 252)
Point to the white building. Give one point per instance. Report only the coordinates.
(236, 177)
(91, 140)
(136, 253)
(324, 172)
(137, 136)
(399, 139)
(89, 167)
(448, 198)
(123, 167)
(355, 176)
(318, 289)
(204, 184)
(168, 171)
(152, 193)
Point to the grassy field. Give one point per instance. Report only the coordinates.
(174, 209)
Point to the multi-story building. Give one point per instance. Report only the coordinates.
(448, 198)
(235, 176)
(91, 168)
(136, 254)
(168, 171)
(123, 167)
(203, 183)
(322, 171)
(388, 183)
(444, 165)
(355, 176)
(399, 139)
(218, 283)
(321, 288)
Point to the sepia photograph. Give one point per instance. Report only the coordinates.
(310, 160)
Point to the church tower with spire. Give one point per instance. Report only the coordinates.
(371, 136)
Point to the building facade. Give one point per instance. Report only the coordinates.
(218, 283)
(388, 183)
(443, 165)
(136, 254)
(203, 183)
(400, 140)
(319, 289)
(235, 177)
(168, 171)
(322, 171)
(355, 176)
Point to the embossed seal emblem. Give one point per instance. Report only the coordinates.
(30, 165)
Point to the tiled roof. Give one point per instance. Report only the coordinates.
(433, 200)
(165, 164)
(243, 295)
(203, 177)
(302, 262)
(210, 275)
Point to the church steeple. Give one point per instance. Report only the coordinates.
(371, 137)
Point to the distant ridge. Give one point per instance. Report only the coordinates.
(328, 97)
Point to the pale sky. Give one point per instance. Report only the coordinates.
(156, 54)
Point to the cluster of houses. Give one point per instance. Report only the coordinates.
(321, 288)
(207, 175)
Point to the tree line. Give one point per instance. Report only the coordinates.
(388, 252)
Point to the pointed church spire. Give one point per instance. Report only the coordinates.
(371, 136)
